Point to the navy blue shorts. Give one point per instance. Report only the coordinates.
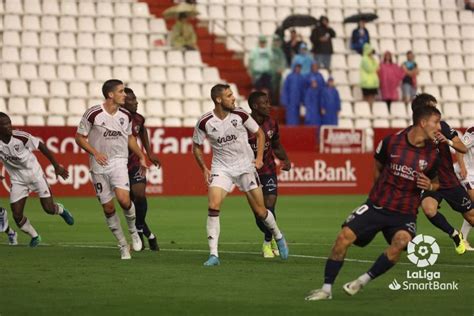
(457, 198)
(135, 176)
(269, 184)
(367, 220)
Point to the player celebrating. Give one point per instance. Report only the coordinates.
(404, 165)
(466, 172)
(105, 132)
(260, 105)
(135, 173)
(232, 162)
(450, 189)
(4, 227)
(26, 175)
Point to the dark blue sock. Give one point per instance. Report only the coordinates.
(380, 266)
(332, 270)
(440, 221)
(141, 207)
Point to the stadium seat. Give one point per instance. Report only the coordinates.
(193, 74)
(85, 40)
(3, 106)
(419, 31)
(76, 106)
(31, 23)
(17, 106)
(12, 38)
(140, 58)
(154, 108)
(86, 24)
(192, 91)
(362, 109)
(155, 91)
(28, 71)
(122, 25)
(12, 23)
(455, 62)
(66, 72)
(3, 89)
(157, 74)
(11, 54)
(455, 123)
(139, 74)
(456, 77)
(36, 106)
(67, 23)
(9, 71)
(172, 122)
(466, 93)
(175, 57)
(47, 72)
(467, 110)
(346, 110)
(78, 89)
(50, 6)
(451, 111)
(467, 123)
(58, 89)
(122, 9)
(55, 120)
(38, 88)
(140, 9)
(175, 74)
(398, 123)
(192, 108)
(440, 77)
(380, 110)
(66, 56)
(398, 110)
(105, 8)
(57, 106)
(19, 88)
(73, 120)
(345, 123)
(121, 72)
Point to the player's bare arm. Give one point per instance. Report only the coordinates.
(58, 169)
(260, 147)
(198, 155)
(146, 144)
(425, 183)
(133, 145)
(280, 153)
(462, 165)
(81, 140)
(456, 142)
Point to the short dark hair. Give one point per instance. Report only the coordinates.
(127, 90)
(217, 90)
(109, 86)
(254, 96)
(424, 112)
(409, 52)
(422, 99)
(4, 115)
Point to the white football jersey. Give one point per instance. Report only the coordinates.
(108, 134)
(231, 151)
(18, 157)
(468, 140)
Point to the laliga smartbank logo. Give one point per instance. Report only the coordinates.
(423, 251)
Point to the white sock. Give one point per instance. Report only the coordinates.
(29, 229)
(267, 243)
(130, 217)
(364, 279)
(271, 224)
(151, 236)
(327, 288)
(10, 230)
(114, 225)
(213, 230)
(59, 209)
(466, 227)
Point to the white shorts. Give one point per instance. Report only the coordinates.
(106, 183)
(21, 189)
(245, 182)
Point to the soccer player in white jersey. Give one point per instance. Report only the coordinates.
(232, 163)
(466, 173)
(105, 132)
(26, 175)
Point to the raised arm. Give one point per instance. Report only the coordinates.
(58, 169)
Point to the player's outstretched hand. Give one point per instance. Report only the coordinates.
(423, 182)
(101, 159)
(258, 163)
(286, 165)
(154, 160)
(60, 171)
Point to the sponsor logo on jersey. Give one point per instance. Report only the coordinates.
(226, 139)
(109, 133)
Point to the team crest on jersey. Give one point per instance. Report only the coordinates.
(270, 134)
(121, 120)
(234, 122)
(422, 164)
(17, 147)
(137, 129)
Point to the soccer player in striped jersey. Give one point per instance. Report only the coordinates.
(405, 164)
(260, 105)
(466, 174)
(135, 172)
(105, 132)
(233, 162)
(26, 175)
(450, 189)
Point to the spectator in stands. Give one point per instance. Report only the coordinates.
(183, 35)
(315, 75)
(292, 46)
(330, 104)
(369, 80)
(304, 59)
(260, 66)
(321, 38)
(292, 95)
(390, 77)
(312, 104)
(278, 67)
(409, 80)
(360, 36)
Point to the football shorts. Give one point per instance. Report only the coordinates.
(22, 188)
(245, 182)
(106, 183)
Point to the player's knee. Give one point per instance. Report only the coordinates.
(108, 209)
(469, 217)
(400, 241)
(345, 238)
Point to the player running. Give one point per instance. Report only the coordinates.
(466, 174)
(135, 173)
(405, 164)
(105, 132)
(260, 105)
(450, 189)
(26, 175)
(232, 163)
(5, 228)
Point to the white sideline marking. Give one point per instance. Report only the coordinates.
(72, 245)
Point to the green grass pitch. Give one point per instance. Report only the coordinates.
(77, 270)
